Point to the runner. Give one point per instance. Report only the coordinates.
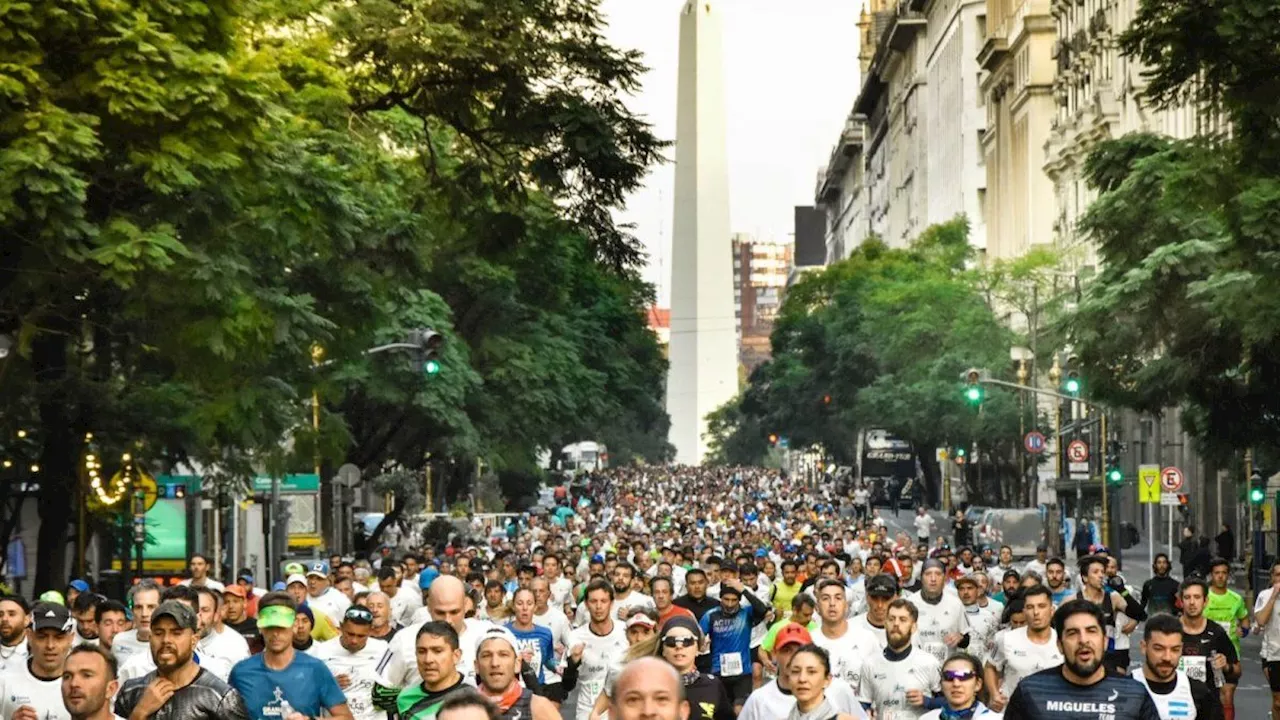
(437, 657)
(728, 629)
(549, 616)
(941, 623)
(595, 648)
(1175, 694)
(33, 690)
(535, 643)
(775, 699)
(678, 644)
(353, 659)
(498, 672)
(1160, 593)
(111, 618)
(89, 683)
(1080, 687)
(1023, 651)
(1058, 582)
(13, 632)
(961, 681)
(899, 683)
(648, 689)
(1225, 607)
(848, 646)
(1207, 652)
(881, 590)
(981, 622)
(1268, 620)
(1096, 589)
(810, 676)
(144, 597)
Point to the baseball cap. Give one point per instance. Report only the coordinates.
(294, 568)
(792, 634)
(52, 596)
(640, 619)
(318, 569)
(426, 576)
(882, 586)
(498, 632)
(48, 615)
(276, 616)
(233, 589)
(181, 613)
(295, 578)
(971, 578)
(79, 585)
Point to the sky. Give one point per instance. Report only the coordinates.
(791, 76)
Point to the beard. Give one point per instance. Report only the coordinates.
(898, 640)
(173, 662)
(12, 637)
(1160, 673)
(1083, 669)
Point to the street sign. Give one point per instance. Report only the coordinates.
(1171, 479)
(1034, 442)
(1078, 476)
(1170, 499)
(942, 454)
(347, 476)
(1078, 451)
(1078, 467)
(784, 443)
(1148, 484)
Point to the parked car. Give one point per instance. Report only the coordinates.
(1022, 529)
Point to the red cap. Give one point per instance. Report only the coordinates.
(234, 589)
(791, 633)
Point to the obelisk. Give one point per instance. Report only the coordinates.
(704, 349)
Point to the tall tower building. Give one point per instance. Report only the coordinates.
(703, 374)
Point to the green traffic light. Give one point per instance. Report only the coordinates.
(431, 367)
(1256, 495)
(1114, 476)
(959, 452)
(1073, 386)
(973, 394)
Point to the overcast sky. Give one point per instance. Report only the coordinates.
(791, 76)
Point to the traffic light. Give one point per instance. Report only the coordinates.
(773, 438)
(1114, 475)
(1257, 488)
(1071, 383)
(973, 392)
(429, 343)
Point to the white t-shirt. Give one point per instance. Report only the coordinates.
(983, 713)
(849, 652)
(1017, 657)
(403, 605)
(12, 658)
(770, 703)
(983, 624)
(885, 682)
(126, 644)
(601, 654)
(561, 591)
(555, 621)
(399, 664)
(924, 525)
(210, 583)
(1270, 631)
(20, 687)
(621, 606)
(879, 634)
(228, 646)
(361, 666)
(332, 603)
(936, 622)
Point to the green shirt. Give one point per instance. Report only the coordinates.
(1227, 609)
(418, 703)
(770, 637)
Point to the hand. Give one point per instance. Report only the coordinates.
(1220, 661)
(344, 681)
(952, 639)
(769, 665)
(560, 650)
(526, 655)
(1116, 583)
(26, 712)
(576, 653)
(998, 701)
(915, 698)
(155, 696)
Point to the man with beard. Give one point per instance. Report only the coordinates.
(33, 690)
(1207, 652)
(178, 683)
(13, 632)
(902, 681)
(1160, 593)
(89, 683)
(111, 619)
(141, 664)
(143, 599)
(881, 590)
(280, 681)
(1173, 692)
(729, 629)
(353, 659)
(981, 622)
(1080, 688)
(1055, 579)
(847, 645)
(1021, 652)
(498, 671)
(941, 626)
(624, 597)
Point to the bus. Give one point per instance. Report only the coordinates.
(586, 455)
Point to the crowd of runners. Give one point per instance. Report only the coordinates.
(651, 594)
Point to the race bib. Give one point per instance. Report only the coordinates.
(1196, 668)
(731, 664)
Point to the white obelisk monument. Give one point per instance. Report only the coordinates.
(704, 346)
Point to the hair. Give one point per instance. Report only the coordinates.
(277, 598)
(87, 649)
(900, 603)
(829, 563)
(494, 585)
(1194, 581)
(694, 571)
(17, 600)
(803, 600)
(1034, 590)
(1156, 559)
(440, 629)
(527, 568)
(792, 563)
(360, 597)
(1058, 561)
(1089, 562)
(182, 593)
(144, 585)
(1071, 608)
(217, 596)
(1015, 605)
(386, 572)
(85, 602)
(825, 583)
(1033, 576)
(628, 567)
(1163, 623)
(1218, 561)
(516, 594)
(107, 606)
(598, 586)
(202, 556)
(823, 656)
(967, 659)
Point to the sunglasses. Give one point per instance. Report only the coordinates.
(958, 675)
(359, 615)
(679, 642)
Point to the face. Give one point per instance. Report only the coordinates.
(662, 595)
(968, 592)
(1193, 602)
(13, 623)
(199, 567)
(789, 573)
(878, 607)
(622, 579)
(207, 613)
(494, 595)
(1056, 575)
(960, 684)
(346, 572)
(1096, 576)
(729, 603)
(88, 628)
(599, 605)
(410, 566)
(354, 636)
(497, 665)
(648, 694)
(524, 605)
(381, 609)
(233, 608)
(345, 587)
(1009, 584)
(551, 567)
(113, 622)
(171, 646)
(1162, 653)
(86, 684)
(1113, 567)
(1162, 565)
(145, 603)
(696, 585)
(301, 629)
(680, 648)
(1039, 612)
(436, 660)
(1017, 620)
(832, 604)
(388, 585)
(1218, 576)
(448, 607)
(808, 676)
(316, 585)
(1081, 643)
(298, 592)
(277, 639)
(899, 627)
(639, 633)
(933, 580)
(803, 614)
(48, 649)
(1006, 556)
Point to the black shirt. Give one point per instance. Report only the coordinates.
(1198, 649)
(1160, 594)
(708, 699)
(1047, 695)
(248, 629)
(204, 698)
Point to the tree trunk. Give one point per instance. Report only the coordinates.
(58, 461)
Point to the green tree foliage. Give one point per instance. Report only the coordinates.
(1185, 310)
(194, 194)
(880, 340)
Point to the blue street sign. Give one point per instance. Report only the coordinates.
(1034, 442)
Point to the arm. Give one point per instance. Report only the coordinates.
(544, 709)
(341, 712)
(758, 608)
(992, 680)
(1263, 609)
(601, 705)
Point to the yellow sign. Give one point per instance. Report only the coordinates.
(1149, 484)
(156, 566)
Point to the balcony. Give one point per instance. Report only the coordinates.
(994, 48)
(904, 27)
(842, 156)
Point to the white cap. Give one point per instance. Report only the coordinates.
(295, 578)
(498, 632)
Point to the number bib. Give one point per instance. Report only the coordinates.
(731, 664)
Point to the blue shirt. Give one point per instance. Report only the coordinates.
(306, 684)
(730, 640)
(542, 643)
